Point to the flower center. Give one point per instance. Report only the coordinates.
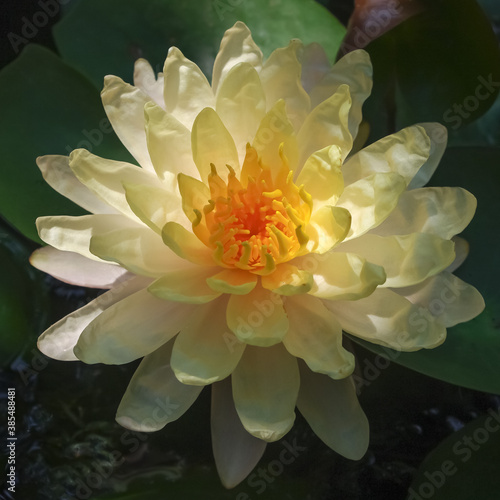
(256, 221)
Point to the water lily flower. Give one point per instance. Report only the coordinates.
(248, 238)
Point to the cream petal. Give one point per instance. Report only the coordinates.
(237, 46)
(443, 211)
(316, 337)
(342, 276)
(388, 319)
(276, 129)
(280, 78)
(257, 318)
(154, 396)
(234, 281)
(155, 206)
(403, 152)
(461, 253)
(131, 329)
(59, 176)
(438, 135)
(236, 452)
(370, 200)
(105, 178)
(265, 387)
(185, 285)
(169, 145)
(332, 410)
(201, 353)
(355, 71)
(408, 259)
(322, 176)
(58, 341)
(287, 279)
(75, 269)
(315, 65)
(138, 250)
(145, 80)
(186, 90)
(186, 245)
(327, 124)
(124, 105)
(241, 104)
(327, 227)
(73, 234)
(446, 297)
(212, 143)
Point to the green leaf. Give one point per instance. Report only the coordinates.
(463, 466)
(47, 108)
(469, 356)
(102, 38)
(23, 307)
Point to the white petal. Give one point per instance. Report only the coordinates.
(187, 90)
(237, 46)
(75, 269)
(236, 452)
(265, 387)
(154, 396)
(131, 329)
(59, 340)
(58, 174)
(315, 65)
(332, 410)
(124, 105)
(145, 79)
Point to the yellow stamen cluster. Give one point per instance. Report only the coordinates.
(257, 221)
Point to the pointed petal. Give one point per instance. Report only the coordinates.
(185, 285)
(342, 276)
(58, 341)
(75, 269)
(187, 90)
(446, 297)
(139, 250)
(403, 152)
(386, 318)
(265, 387)
(233, 281)
(236, 452)
(131, 329)
(105, 178)
(145, 80)
(327, 227)
(241, 104)
(443, 211)
(201, 353)
(316, 337)
(124, 105)
(327, 124)
(212, 143)
(332, 410)
(73, 234)
(58, 175)
(355, 71)
(169, 145)
(280, 78)
(438, 135)
(237, 46)
(154, 396)
(371, 200)
(322, 176)
(276, 129)
(315, 65)
(407, 260)
(257, 318)
(195, 195)
(186, 245)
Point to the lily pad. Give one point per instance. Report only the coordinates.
(47, 108)
(102, 38)
(469, 356)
